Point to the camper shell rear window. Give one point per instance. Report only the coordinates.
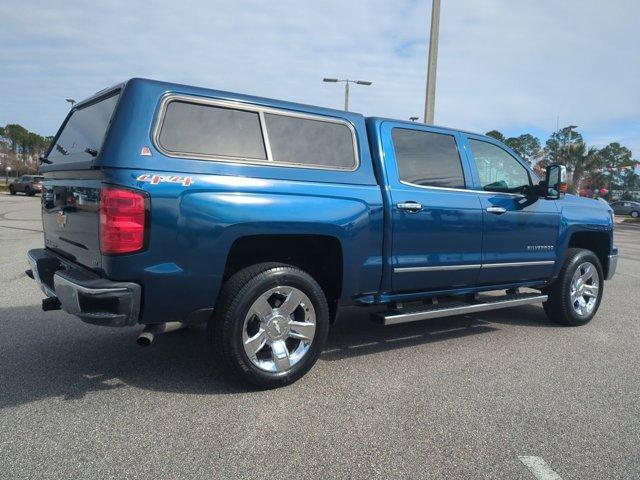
(81, 137)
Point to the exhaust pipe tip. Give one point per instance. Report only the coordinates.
(145, 339)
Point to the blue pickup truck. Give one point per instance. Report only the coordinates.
(167, 205)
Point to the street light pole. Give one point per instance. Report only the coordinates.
(346, 96)
(430, 98)
(346, 87)
(71, 101)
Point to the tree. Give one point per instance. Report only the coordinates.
(615, 170)
(495, 134)
(581, 160)
(20, 148)
(527, 146)
(557, 144)
(614, 156)
(631, 182)
(17, 136)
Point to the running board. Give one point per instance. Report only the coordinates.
(425, 312)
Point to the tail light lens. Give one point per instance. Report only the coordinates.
(123, 220)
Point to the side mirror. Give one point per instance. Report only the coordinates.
(556, 181)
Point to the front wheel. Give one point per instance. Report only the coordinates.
(270, 324)
(575, 296)
(12, 190)
(634, 214)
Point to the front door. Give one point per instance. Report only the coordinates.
(520, 230)
(436, 222)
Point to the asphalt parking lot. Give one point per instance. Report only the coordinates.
(461, 397)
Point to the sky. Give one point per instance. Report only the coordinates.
(513, 65)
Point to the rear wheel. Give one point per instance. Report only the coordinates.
(575, 296)
(270, 324)
(634, 214)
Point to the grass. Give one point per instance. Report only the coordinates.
(631, 220)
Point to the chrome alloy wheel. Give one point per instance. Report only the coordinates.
(279, 329)
(584, 289)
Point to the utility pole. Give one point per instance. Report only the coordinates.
(430, 99)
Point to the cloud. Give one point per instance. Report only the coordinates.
(509, 65)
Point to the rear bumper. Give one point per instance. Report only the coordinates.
(84, 294)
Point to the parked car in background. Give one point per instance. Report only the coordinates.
(27, 184)
(626, 208)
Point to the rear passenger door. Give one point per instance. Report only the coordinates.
(436, 222)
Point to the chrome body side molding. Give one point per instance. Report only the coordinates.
(471, 266)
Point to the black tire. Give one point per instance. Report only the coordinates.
(29, 191)
(236, 298)
(634, 214)
(559, 307)
(12, 190)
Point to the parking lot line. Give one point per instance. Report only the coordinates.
(540, 469)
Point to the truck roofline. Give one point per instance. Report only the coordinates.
(212, 92)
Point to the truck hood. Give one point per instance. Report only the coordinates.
(577, 201)
(581, 212)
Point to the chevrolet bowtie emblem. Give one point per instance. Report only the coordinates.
(61, 219)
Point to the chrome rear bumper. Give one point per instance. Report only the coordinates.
(82, 293)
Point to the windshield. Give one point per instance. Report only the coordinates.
(82, 135)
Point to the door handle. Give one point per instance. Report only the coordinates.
(410, 206)
(496, 210)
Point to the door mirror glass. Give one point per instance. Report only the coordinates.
(556, 181)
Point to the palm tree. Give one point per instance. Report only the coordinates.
(580, 160)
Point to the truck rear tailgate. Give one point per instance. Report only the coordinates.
(71, 219)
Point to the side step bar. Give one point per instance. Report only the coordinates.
(425, 312)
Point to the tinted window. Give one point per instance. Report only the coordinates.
(82, 136)
(499, 171)
(191, 128)
(427, 158)
(310, 142)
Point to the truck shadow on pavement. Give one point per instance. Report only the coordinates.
(55, 355)
(354, 334)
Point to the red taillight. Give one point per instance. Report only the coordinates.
(123, 216)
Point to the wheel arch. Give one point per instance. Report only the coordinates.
(597, 242)
(321, 256)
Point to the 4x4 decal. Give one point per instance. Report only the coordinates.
(157, 179)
